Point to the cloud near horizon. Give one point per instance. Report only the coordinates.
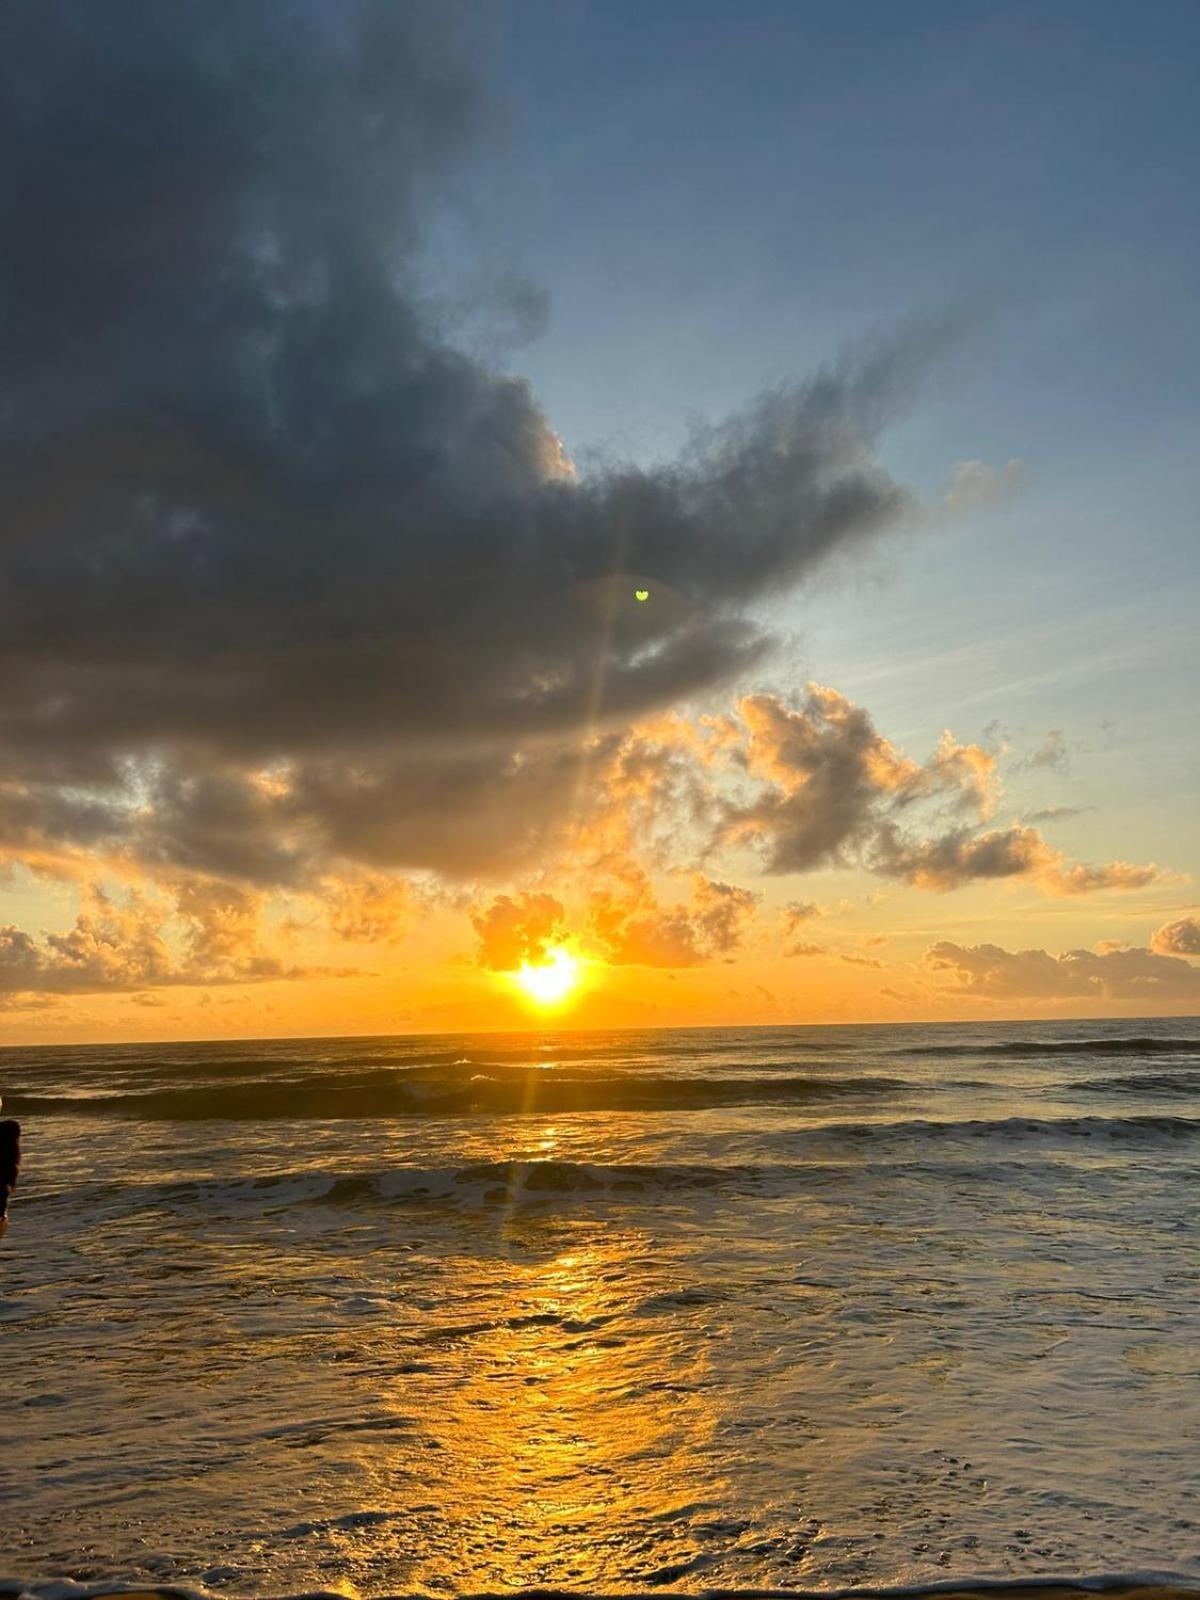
(211, 935)
(992, 973)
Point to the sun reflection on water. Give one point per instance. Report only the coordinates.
(559, 1440)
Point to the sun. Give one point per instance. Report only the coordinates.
(549, 982)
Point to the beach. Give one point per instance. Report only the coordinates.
(802, 1309)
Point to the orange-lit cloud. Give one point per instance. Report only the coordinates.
(1179, 938)
(210, 935)
(375, 908)
(631, 926)
(513, 931)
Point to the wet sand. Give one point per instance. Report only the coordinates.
(984, 1591)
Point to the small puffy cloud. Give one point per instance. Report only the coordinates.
(1179, 938)
(860, 961)
(221, 920)
(967, 772)
(797, 914)
(632, 928)
(1051, 755)
(975, 484)
(372, 909)
(513, 930)
(1067, 880)
(992, 973)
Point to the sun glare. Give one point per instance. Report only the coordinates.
(550, 982)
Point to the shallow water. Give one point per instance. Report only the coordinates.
(775, 1308)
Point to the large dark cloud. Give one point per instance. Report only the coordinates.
(253, 510)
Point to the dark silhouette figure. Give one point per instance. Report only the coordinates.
(10, 1165)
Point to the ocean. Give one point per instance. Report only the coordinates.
(773, 1308)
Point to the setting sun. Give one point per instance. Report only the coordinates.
(550, 982)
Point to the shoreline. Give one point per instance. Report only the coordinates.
(1166, 1588)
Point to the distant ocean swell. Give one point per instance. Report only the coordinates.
(1060, 1047)
(405, 1092)
(1180, 1085)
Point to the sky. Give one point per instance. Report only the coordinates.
(577, 514)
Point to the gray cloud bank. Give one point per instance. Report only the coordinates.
(988, 971)
(255, 515)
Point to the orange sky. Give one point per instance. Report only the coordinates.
(654, 889)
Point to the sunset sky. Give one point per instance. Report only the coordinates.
(694, 501)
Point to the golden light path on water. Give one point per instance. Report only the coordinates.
(555, 1453)
(563, 1441)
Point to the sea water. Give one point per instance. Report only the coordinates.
(770, 1308)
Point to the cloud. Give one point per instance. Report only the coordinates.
(1059, 879)
(992, 973)
(975, 484)
(1179, 938)
(513, 931)
(111, 946)
(835, 792)
(1056, 813)
(258, 517)
(828, 777)
(631, 927)
(1051, 755)
(797, 914)
(136, 942)
(373, 909)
